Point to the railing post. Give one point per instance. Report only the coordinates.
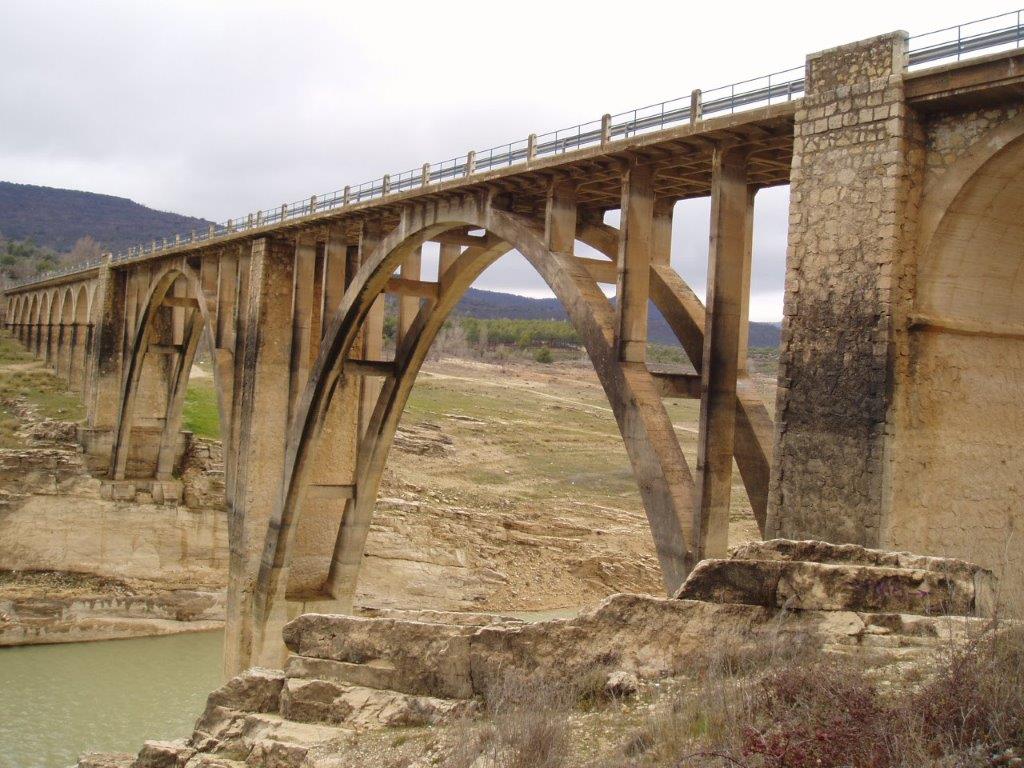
(385, 184)
(212, 229)
(425, 175)
(231, 225)
(312, 204)
(606, 129)
(193, 235)
(284, 211)
(696, 105)
(177, 239)
(531, 147)
(259, 218)
(470, 163)
(345, 194)
(249, 221)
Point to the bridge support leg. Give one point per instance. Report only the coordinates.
(373, 330)
(105, 357)
(634, 264)
(849, 272)
(262, 424)
(408, 306)
(732, 205)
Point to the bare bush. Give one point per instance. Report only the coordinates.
(527, 728)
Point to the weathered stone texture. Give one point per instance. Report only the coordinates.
(851, 203)
(957, 464)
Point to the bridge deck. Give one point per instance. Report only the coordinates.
(680, 157)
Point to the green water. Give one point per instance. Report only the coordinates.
(57, 701)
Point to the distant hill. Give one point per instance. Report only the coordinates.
(494, 305)
(57, 218)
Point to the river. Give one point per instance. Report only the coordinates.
(57, 701)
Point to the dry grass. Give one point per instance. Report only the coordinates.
(527, 727)
(804, 709)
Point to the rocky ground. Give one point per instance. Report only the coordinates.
(784, 654)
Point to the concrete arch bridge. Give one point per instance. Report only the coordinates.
(902, 359)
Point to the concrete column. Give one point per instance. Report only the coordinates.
(447, 255)
(408, 306)
(634, 263)
(731, 212)
(303, 303)
(560, 217)
(239, 323)
(75, 357)
(263, 424)
(335, 272)
(661, 233)
(373, 329)
(105, 361)
(851, 212)
(223, 351)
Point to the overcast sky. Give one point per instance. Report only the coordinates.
(215, 109)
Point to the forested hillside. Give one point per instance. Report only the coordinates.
(56, 219)
(494, 305)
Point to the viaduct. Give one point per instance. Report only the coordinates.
(898, 420)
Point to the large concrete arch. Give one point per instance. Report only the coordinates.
(145, 345)
(958, 409)
(663, 477)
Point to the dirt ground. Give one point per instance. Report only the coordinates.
(509, 489)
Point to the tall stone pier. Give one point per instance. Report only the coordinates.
(898, 410)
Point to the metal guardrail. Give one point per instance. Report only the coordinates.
(1004, 31)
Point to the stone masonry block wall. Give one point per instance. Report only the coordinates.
(854, 181)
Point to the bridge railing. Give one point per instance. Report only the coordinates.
(988, 35)
(952, 43)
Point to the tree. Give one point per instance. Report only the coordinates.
(85, 249)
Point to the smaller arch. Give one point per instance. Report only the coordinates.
(147, 327)
(941, 195)
(52, 323)
(64, 332)
(31, 321)
(80, 339)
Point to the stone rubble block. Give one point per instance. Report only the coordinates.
(232, 735)
(819, 576)
(255, 690)
(164, 754)
(428, 659)
(853, 554)
(375, 674)
(106, 760)
(320, 701)
(812, 586)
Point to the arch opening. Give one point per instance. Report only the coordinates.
(172, 324)
(958, 410)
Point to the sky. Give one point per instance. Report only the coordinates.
(218, 108)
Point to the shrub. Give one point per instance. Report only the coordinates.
(543, 355)
(528, 726)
